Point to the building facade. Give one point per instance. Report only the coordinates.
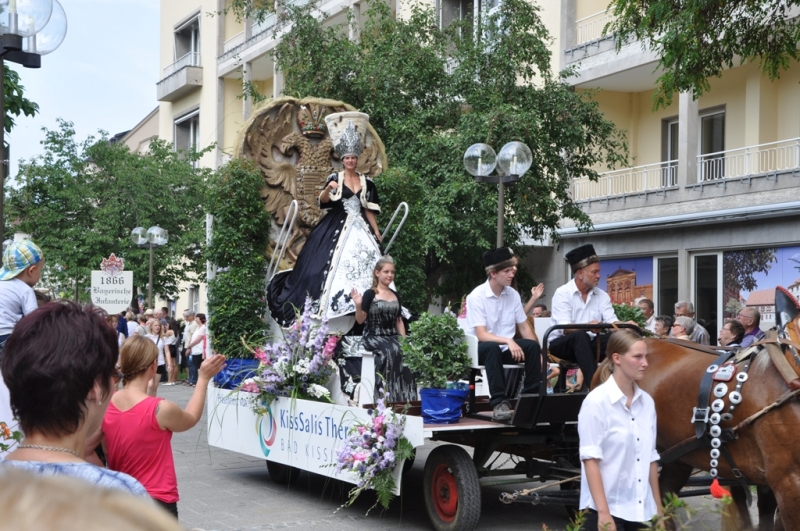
(711, 200)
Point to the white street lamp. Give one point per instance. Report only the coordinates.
(153, 237)
(514, 160)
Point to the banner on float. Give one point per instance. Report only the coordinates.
(112, 287)
(298, 433)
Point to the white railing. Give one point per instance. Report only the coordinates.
(266, 24)
(650, 177)
(591, 28)
(190, 59)
(751, 160)
(233, 42)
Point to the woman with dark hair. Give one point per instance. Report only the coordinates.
(59, 366)
(731, 333)
(197, 348)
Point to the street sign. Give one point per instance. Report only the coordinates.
(112, 287)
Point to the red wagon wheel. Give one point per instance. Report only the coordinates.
(452, 489)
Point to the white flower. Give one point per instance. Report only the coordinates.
(318, 391)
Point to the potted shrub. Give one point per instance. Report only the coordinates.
(437, 354)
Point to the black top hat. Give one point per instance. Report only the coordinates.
(497, 256)
(581, 257)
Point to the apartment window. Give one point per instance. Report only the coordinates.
(187, 42)
(712, 143)
(194, 298)
(186, 131)
(455, 11)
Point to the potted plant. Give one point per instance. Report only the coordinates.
(437, 354)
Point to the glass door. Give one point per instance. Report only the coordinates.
(667, 282)
(707, 290)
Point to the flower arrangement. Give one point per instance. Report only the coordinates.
(372, 450)
(8, 437)
(297, 367)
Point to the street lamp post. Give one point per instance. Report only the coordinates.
(153, 237)
(29, 29)
(514, 160)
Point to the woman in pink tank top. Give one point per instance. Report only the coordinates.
(138, 428)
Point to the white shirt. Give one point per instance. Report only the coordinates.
(132, 327)
(650, 324)
(624, 441)
(569, 307)
(17, 300)
(197, 350)
(188, 332)
(161, 342)
(500, 315)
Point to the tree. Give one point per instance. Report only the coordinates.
(236, 297)
(696, 41)
(430, 94)
(15, 101)
(80, 200)
(738, 267)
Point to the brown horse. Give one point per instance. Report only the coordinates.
(765, 451)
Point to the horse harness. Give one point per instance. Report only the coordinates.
(708, 414)
(710, 411)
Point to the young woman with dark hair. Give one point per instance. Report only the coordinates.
(59, 367)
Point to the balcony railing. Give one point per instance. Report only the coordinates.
(591, 28)
(647, 178)
(190, 59)
(751, 160)
(233, 42)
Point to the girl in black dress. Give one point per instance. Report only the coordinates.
(380, 309)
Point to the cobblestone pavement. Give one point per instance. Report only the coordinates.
(226, 491)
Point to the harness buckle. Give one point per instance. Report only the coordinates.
(700, 414)
(737, 473)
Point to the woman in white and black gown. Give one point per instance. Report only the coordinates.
(380, 309)
(340, 252)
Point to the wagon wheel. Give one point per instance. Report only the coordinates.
(283, 474)
(452, 489)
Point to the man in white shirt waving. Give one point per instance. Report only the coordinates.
(580, 301)
(495, 314)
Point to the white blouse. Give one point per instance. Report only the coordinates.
(624, 441)
(161, 342)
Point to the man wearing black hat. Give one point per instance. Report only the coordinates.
(580, 301)
(495, 314)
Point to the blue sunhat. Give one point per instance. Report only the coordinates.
(18, 257)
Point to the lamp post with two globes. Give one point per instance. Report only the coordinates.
(29, 29)
(514, 159)
(153, 237)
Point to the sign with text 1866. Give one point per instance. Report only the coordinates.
(112, 287)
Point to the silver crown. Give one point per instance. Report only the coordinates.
(350, 142)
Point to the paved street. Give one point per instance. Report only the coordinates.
(225, 491)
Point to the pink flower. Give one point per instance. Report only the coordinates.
(250, 387)
(330, 346)
(377, 423)
(361, 430)
(260, 355)
(360, 456)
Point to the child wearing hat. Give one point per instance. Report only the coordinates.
(22, 269)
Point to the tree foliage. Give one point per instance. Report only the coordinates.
(430, 94)
(696, 41)
(241, 233)
(15, 102)
(738, 267)
(80, 200)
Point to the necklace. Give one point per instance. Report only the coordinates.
(48, 448)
